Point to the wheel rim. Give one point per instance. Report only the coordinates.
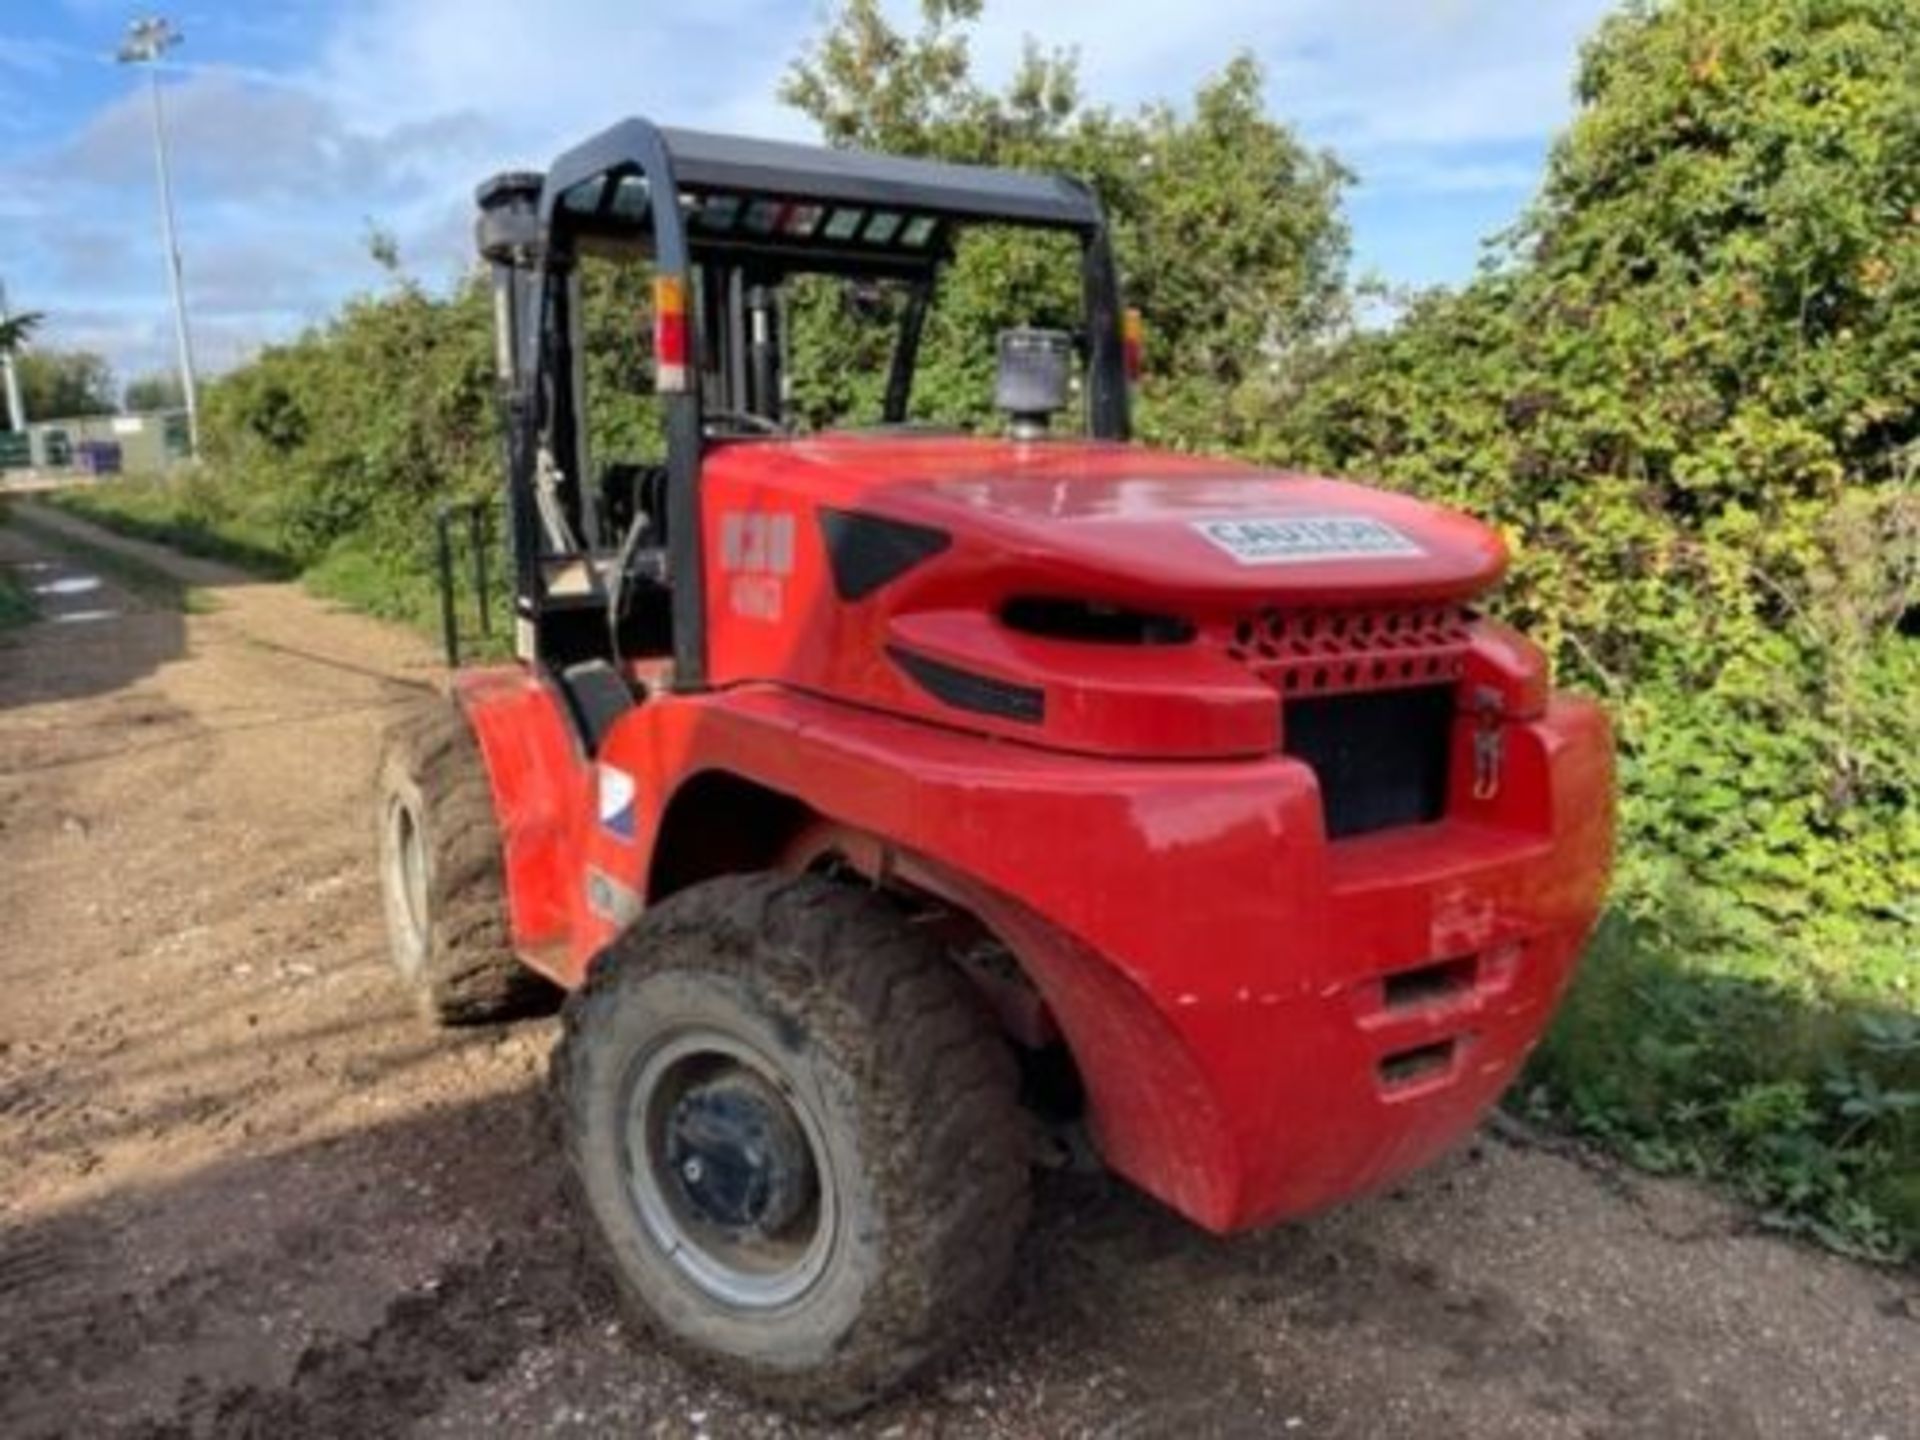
(726, 1167)
(407, 875)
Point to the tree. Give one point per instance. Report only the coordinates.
(158, 391)
(1228, 228)
(66, 384)
(1717, 293)
(16, 331)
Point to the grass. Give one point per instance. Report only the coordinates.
(193, 514)
(1803, 1100)
(377, 585)
(374, 584)
(208, 515)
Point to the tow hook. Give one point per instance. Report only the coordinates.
(1489, 743)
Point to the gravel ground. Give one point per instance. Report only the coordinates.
(243, 1191)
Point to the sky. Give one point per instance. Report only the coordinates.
(299, 126)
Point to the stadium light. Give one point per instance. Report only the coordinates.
(147, 41)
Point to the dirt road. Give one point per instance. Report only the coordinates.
(244, 1192)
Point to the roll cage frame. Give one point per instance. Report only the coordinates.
(532, 236)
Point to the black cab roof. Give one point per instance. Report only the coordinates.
(728, 162)
(701, 161)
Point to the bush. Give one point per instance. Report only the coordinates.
(1686, 391)
(1807, 1102)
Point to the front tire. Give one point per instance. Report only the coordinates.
(441, 874)
(796, 1129)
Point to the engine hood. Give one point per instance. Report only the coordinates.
(1092, 598)
(1117, 521)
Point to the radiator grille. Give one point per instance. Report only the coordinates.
(1326, 652)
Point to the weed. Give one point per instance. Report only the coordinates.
(1806, 1101)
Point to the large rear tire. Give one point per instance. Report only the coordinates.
(441, 875)
(796, 1129)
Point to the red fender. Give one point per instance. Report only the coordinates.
(1218, 969)
(540, 779)
(1150, 1110)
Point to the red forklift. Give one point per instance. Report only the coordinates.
(894, 801)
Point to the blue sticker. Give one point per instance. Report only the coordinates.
(617, 792)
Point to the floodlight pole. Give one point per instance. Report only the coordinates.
(16, 411)
(147, 40)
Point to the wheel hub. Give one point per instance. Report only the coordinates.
(728, 1170)
(737, 1155)
(408, 877)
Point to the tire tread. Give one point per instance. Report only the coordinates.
(948, 1143)
(470, 974)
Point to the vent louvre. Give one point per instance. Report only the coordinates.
(1406, 1068)
(1320, 652)
(966, 690)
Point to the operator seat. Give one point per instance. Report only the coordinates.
(597, 696)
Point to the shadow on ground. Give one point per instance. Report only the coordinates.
(425, 1276)
(94, 633)
(271, 1296)
(288, 1295)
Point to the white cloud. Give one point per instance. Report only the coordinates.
(231, 137)
(138, 339)
(1402, 89)
(398, 107)
(549, 74)
(536, 79)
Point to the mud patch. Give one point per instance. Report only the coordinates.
(466, 1326)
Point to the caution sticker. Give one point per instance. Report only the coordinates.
(1295, 539)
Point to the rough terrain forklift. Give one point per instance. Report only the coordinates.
(892, 800)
